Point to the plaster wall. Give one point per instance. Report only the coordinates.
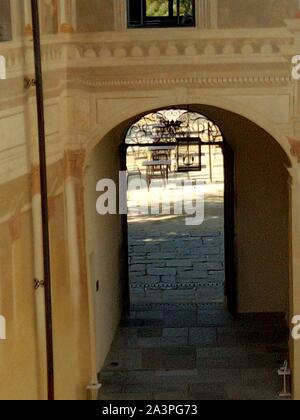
(262, 215)
(255, 13)
(18, 354)
(94, 83)
(104, 247)
(95, 15)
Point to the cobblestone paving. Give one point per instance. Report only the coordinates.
(168, 268)
(174, 264)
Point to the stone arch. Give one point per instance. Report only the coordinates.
(107, 140)
(127, 115)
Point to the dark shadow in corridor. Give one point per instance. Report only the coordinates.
(197, 355)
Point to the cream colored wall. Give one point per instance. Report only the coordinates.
(255, 13)
(72, 353)
(262, 224)
(262, 215)
(104, 242)
(22, 355)
(95, 15)
(99, 15)
(18, 354)
(5, 23)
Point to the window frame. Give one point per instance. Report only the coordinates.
(169, 21)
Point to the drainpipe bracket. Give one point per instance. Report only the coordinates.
(38, 284)
(28, 82)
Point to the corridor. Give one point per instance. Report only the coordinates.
(196, 355)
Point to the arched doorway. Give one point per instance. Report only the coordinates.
(168, 153)
(262, 271)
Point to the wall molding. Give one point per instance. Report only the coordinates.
(275, 80)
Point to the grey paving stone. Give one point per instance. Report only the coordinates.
(136, 279)
(224, 376)
(221, 352)
(203, 336)
(140, 377)
(146, 315)
(185, 269)
(250, 393)
(176, 374)
(168, 279)
(208, 392)
(212, 241)
(161, 271)
(221, 363)
(167, 249)
(155, 296)
(110, 377)
(137, 296)
(175, 332)
(112, 388)
(150, 342)
(179, 296)
(180, 318)
(171, 396)
(174, 341)
(212, 250)
(137, 389)
(170, 387)
(214, 318)
(137, 259)
(169, 358)
(141, 268)
(261, 377)
(124, 341)
(210, 266)
(192, 275)
(160, 256)
(149, 332)
(183, 253)
(143, 396)
(179, 263)
(156, 264)
(126, 360)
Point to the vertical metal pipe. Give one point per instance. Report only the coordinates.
(44, 194)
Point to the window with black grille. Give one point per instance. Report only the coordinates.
(161, 13)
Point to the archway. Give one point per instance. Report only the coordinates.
(263, 271)
(175, 169)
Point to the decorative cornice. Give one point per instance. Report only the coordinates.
(203, 81)
(121, 49)
(295, 148)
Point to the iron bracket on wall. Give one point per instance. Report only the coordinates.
(38, 284)
(28, 82)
